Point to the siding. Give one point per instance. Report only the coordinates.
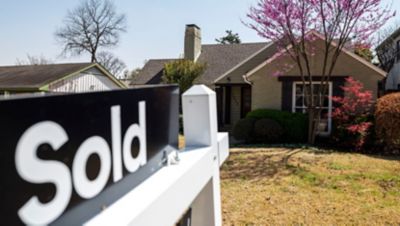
(267, 90)
(90, 80)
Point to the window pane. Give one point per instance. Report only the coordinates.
(324, 114)
(326, 101)
(299, 89)
(316, 88)
(299, 101)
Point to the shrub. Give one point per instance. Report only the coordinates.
(387, 119)
(243, 129)
(294, 124)
(352, 117)
(268, 131)
(183, 72)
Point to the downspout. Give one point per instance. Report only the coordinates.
(246, 80)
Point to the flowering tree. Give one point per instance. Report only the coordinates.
(294, 25)
(352, 115)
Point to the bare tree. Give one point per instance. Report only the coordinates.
(92, 25)
(33, 60)
(112, 63)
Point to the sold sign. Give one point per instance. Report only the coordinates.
(54, 140)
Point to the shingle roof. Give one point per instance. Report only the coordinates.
(35, 76)
(151, 72)
(219, 59)
(389, 39)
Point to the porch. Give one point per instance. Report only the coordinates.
(233, 103)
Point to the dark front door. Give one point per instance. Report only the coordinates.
(245, 101)
(220, 96)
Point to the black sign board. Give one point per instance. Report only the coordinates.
(64, 158)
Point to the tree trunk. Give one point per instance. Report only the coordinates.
(311, 126)
(93, 59)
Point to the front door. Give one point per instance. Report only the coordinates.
(219, 91)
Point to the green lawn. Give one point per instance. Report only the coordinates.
(277, 186)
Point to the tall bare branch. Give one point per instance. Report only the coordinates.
(94, 24)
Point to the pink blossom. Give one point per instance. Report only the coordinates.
(288, 21)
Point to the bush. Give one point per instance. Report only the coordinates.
(352, 117)
(294, 125)
(268, 131)
(387, 119)
(183, 72)
(243, 129)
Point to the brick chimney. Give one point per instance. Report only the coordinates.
(192, 47)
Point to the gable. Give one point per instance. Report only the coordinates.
(91, 79)
(40, 77)
(348, 64)
(235, 75)
(33, 77)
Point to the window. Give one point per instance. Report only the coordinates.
(300, 104)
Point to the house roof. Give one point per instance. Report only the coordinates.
(344, 50)
(37, 77)
(219, 59)
(239, 70)
(389, 39)
(151, 72)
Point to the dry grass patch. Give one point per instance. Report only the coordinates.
(279, 186)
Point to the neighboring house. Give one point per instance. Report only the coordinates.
(389, 55)
(64, 78)
(243, 77)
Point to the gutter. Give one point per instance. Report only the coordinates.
(246, 80)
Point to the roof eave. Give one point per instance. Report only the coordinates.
(20, 89)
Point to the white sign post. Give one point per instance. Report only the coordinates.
(192, 182)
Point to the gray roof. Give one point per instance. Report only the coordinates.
(151, 73)
(219, 59)
(35, 76)
(389, 39)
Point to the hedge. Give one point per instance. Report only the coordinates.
(295, 125)
(387, 120)
(243, 130)
(267, 131)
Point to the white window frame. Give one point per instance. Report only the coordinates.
(327, 133)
